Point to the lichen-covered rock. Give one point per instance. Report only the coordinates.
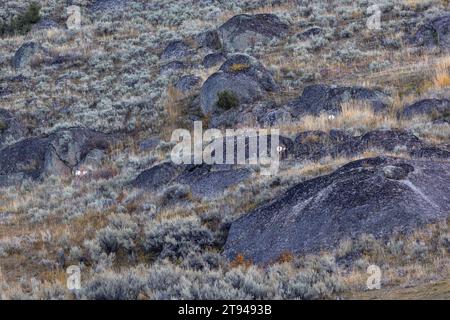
(204, 181)
(435, 32)
(313, 145)
(435, 108)
(241, 75)
(378, 196)
(58, 153)
(157, 176)
(320, 98)
(243, 31)
(208, 181)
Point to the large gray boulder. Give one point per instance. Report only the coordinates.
(208, 181)
(243, 31)
(25, 54)
(436, 108)
(241, 75)
(10, 127)
(59, 153)
(378, 196)
(205, 181)
(434, 33)
(157, 176)
(321, 98)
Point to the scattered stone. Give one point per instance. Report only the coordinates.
(243, 31)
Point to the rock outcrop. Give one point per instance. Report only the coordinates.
(434, 33)
(59, 153)
(320, 98)
(378, 196)
(205, 181)
(241, 75)
(435, 108)
(314, 145)
(157, 176)
(243, 31)
(208, 181)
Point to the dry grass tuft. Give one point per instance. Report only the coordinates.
(174, 109)
(354, 114)
(442, 73)
(239, 67)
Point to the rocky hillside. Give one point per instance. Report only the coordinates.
(87, 178)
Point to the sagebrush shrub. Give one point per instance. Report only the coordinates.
(22, 23)
(177, 237)
(227, 100)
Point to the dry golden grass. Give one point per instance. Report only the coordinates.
(238, 67)
(442, 73)
(354, 115)
(173, 107)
